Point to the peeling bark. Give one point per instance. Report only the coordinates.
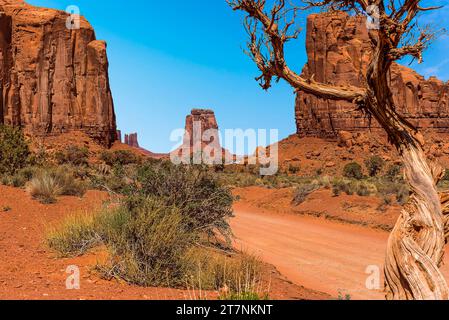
(416, 245)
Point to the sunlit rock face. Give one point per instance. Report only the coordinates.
(53, 79)
(338, 50)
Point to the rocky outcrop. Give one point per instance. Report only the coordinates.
(53, 79)
(201, 129)
(338, 50)
(132, 140)
(202, 140)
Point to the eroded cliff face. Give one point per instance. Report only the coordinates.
(338, 49)
(53, 79)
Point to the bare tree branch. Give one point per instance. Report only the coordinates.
(263, 28)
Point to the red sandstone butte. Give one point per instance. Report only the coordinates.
(198, 123)
(53, 79)
(338, 49)
(132, 140)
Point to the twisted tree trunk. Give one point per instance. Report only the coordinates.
(416, 245)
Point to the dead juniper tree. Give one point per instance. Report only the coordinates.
(416, 245)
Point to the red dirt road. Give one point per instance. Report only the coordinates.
(319, 254)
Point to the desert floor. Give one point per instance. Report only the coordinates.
(335, 258)
(331, 258)
(28, 270)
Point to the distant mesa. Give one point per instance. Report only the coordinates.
(339, 49)
(131, 141)
(53, 80)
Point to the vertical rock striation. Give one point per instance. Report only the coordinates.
(53, 79)
(338, 49)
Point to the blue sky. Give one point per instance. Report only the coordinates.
(167, 57)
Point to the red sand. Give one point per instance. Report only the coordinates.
(319, 254)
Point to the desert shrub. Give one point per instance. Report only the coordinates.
(119, 158)
(74, 237)
(353, 170)
(23, 176)
(293, 169)
(202, 200)
(151, 245)
(49, 183)
(14, 150)
(45, 188)
(20, 178)
(117, 179)
(393, 172)
(352, 186)
(374, 165)
(73, 155)
(302, 192)
(364, 188)
(148, 243)
(39, 157)
(399, 189)
(336, 192)
(386, 202)
(342, 185)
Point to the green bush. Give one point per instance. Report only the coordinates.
(194, 190)
(374, 165)
(148, 244)
(73, 155)
(14, 150)
(353, 170)
(393, 173)
(119, 158)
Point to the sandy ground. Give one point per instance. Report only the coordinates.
(344, 208)
(317, 253)
(28, 270)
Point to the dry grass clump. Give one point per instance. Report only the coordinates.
(147, 244)
(236, 277)
(47, 184)
(74, 237)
